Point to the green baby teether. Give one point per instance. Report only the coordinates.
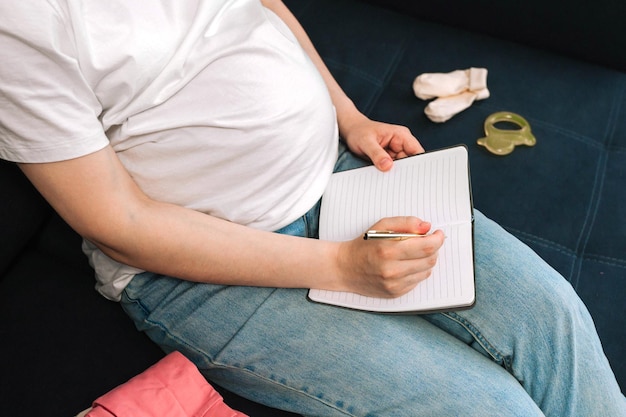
(504, 141)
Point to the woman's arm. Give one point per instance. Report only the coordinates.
(380, 142)
(99, 199)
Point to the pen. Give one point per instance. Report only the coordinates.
(390, 235)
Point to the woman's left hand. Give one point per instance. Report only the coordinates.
(380, 142)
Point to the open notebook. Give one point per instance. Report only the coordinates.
(434, 186)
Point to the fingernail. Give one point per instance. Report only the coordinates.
(386, 164)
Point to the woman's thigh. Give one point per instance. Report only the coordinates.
(275, 347)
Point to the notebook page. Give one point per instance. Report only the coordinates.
(432, 186)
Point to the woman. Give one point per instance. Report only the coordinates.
(189, 145)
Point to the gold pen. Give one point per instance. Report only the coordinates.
(389, 235)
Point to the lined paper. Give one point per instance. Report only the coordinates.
(434, 187)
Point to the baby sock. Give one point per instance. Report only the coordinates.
(456, 91)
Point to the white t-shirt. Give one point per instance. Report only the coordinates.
(209, 104)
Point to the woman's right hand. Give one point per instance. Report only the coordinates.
(389, 268)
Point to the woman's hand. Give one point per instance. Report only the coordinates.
(389, 268)
(380, 142)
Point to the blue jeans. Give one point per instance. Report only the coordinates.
(528, 347)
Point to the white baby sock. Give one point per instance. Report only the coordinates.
(456, 91)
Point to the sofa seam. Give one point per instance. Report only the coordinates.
(599, 181)
(388, 76)
(607, 260)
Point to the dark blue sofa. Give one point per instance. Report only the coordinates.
(563, 69)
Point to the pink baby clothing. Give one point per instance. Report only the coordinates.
(173, 387)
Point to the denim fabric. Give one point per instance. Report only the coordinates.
(527, 348)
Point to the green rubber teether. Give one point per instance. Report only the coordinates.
(503, 141)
